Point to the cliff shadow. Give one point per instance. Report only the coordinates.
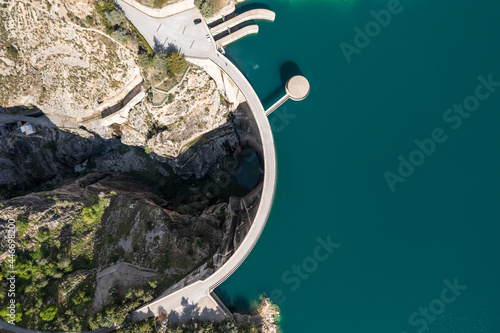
(239, 303)
(246, 7)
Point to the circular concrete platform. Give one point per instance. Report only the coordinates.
(298, 88)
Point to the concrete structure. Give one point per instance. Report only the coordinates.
(297, 89)
(28, 129)
(191, 39)
(176, 31)
(254, 14)
(179, 28)
(240, 33)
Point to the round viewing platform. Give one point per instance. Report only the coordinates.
(297, 88)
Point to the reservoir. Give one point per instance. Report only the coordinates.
(387, 209)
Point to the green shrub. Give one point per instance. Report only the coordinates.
(207, 10)
(12, 52)
(120, 35)
(160, 62)
(115, 17)
(89, 20)
(49, 313)
(43, 236)
(206, 7)
(145, 60)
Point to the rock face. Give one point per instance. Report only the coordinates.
(88, 204)
(94, 223)
(264, 318)
(193, 108)
(50, 156)
(60, 66)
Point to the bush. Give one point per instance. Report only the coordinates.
(206, 7)
(42, 236)
(49, 313)
(145, 60)
(12, 52)
(160, 62)
(207, 10)
(115, 17)
(89, 20)
(120, 35)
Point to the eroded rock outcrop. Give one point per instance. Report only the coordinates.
(65, 68)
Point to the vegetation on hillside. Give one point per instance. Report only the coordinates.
(150, 326)
(116, 24)
(206, 7)
(52, 273)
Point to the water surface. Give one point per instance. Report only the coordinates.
(333, 149)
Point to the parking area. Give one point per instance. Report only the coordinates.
(177, 31)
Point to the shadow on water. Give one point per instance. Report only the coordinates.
(239, 304)
(247, 7)
(288, 70)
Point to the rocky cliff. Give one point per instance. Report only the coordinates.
(192, 108)
(53, 56)
(84, 204)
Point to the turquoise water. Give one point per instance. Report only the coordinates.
(396, 248)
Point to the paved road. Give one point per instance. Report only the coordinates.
(178, 30)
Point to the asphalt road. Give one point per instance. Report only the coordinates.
(174, 31)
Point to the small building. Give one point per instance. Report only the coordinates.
(27, 129)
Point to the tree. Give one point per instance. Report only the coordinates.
(145, 60)
(115, 17)
(105, 5)
(160, 62)
(120, 35)
(48, 314)
(207, 10)
(175, 62)
(206, 7)
(228, 327)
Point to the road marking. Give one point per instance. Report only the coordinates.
(158, 27)
(192, 44)
(184, 30)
